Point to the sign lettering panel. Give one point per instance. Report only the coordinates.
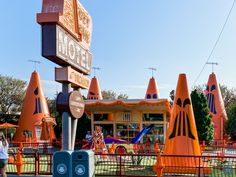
(64, 50)
(67, 74)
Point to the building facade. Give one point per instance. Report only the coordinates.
(126, 118)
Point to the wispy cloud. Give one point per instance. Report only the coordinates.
(166, 86)
(134, 86)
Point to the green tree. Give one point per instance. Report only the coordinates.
(54, 113)
(231, 124)
(111, 95)
(122, 96)
(202, 117)
(83, 125)
(12, 92)
(172, 97)
(228, 96)
(200, 88)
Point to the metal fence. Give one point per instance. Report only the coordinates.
(32, 164)
(136, 165)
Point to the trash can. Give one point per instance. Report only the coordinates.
(83, 163)
(62, 164)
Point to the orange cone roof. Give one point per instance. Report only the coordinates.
(152, 91)
(94, 92)
(182, 138)
(216, 106)
(34, 109)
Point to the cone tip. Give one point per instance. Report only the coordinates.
(182, 75)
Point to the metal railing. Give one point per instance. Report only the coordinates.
(137, 165)
(32, 164)
(211, 164)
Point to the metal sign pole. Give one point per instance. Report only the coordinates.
(68, 48)
(74, 123)
(66, 122)
(73, 132)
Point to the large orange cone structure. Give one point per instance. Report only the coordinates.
(34, 109)
(94, 92)
(216, 106)
(182, 137)
(152, 91)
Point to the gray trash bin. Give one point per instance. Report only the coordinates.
(62, 164)
(83, 163)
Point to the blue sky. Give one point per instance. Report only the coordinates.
(128, 37)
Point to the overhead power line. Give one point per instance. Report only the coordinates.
(215, 44)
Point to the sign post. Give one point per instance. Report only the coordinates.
(66, 123)
(66, 39)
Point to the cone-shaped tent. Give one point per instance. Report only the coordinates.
(216, 106)
(152, 91)
(34, 109)
(182, 138)
(94, 92)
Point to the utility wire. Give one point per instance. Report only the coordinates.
(214, 46)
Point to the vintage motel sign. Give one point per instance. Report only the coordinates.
(67, 74)
(66, 39)
(66, 34)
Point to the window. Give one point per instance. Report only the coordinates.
(153, 117)
(154, 96)
(126, 116)
(127, 131)
(100, 117)
(107, 129)
(155, 135)
(148, 96)
(38, 132)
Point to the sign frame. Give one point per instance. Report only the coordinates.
(61, 48)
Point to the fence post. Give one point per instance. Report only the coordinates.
(120, 170)
(19, 162)
(50, 163)
(120, 165)
(36, 164)
(158, 166)
(199, 166)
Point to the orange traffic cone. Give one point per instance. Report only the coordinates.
(216, 106)
(182, 137)
(21, 146)
(94, 92)
(152, 91)
(19, 161)
(34, 109)
(157, 148)
(158, 167)
(113, 148)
